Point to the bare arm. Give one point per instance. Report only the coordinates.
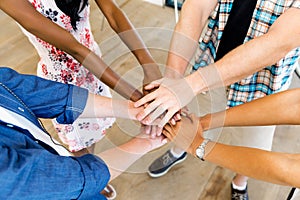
(120, 158)
(274, 167)
(244, 60)
(279, 168)
(275, 109)
(252, 56)
(126, 31)
(101, 106)
(34, 22)
(193, 17)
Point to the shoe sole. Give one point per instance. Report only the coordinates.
(113, 191)
(163, 173)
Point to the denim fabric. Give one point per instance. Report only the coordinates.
(41, 98)
(27, 169)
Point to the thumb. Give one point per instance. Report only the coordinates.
(153, 84)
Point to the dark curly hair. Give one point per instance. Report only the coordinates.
(72, 8)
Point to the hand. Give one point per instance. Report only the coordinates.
(123, 109)
(152, 130)
(187, 133)
(147, 143)
(170, 97)
(151, 73)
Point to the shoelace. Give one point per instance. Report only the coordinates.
(237, 196)
(166, 159)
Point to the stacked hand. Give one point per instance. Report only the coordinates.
(163, 103)
(187, 133)
(151, 73)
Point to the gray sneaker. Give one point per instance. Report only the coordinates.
(164, 163)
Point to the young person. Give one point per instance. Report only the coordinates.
(33, 165)
(252, 46)
(61, 33)
(274, 167)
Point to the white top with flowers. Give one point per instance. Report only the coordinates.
(59, 66)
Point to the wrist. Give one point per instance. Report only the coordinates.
(202, 148)
(198, 139)
(205, 122)
(190, 80)
(173, 73)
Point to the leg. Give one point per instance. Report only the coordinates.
(257, 137)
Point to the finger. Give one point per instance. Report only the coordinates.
(149, 109)
(148, 98)
(173, 121)
(153, 84)
(177, 116)
(167, 127)
(158, 131)
(147, 129)
(153, 131)
(154, 115)
(167, 117)
(166, 134)
(151, 87)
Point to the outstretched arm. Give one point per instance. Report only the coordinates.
(265, 50)
(274, 167)
(34, 22)
(279, 168)
(120, 158)
(275, 109)
(193, 17)
(126, 31)
(282, 37)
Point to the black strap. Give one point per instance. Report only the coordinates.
(291, 194)
(236, 27)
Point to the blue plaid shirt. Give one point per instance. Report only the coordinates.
(269, 80)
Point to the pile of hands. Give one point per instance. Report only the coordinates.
(164, 116)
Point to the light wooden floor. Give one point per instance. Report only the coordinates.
(191, 180)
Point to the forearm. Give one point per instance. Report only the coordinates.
(246, 59)
(35, 23)
(120, 158)
(110, 78)
(276, 109)
(258, 164)
(193, 17)
(99, 107)
(119, 22)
